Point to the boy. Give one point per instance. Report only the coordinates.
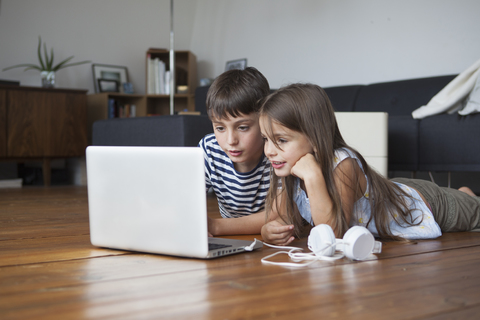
(235, 166)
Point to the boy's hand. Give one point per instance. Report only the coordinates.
(305, 167)
(277, 233)
(211, 226)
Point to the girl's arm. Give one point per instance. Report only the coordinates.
(310, 172)
(321, 205)
(351, 185)
(275, 231)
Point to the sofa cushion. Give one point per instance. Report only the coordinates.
(343, 98)
(177, 130)
(400, 97)
(449, 143)
(403, 143)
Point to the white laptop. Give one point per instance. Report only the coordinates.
(152, 199)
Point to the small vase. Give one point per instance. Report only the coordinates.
(48, 79)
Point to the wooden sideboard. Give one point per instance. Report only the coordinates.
(42, 124)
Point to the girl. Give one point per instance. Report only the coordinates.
(318, 179)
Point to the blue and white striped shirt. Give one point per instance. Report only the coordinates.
(239, 194)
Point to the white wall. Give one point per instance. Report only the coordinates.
(335, 42)
(116, 32)
(328, 42)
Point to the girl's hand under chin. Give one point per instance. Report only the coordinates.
(306, 166)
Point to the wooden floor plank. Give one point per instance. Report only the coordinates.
(462, 312)
(31, 251)
(52, 247)
(28, 213)
(49, 270)
(439, 280)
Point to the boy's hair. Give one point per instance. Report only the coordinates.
(236, 92)
(306, 108)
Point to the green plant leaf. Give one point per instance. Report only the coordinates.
(71, 64)
(33, 67)
(46, 63)
(51, 55)
(26, 65)
(45, 52)
(60, 65)
(40, 53)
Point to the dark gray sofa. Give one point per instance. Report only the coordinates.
(176, 130)
(437, 143)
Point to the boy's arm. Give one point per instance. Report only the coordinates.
(251, 224)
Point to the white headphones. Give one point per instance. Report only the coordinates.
(357, 244)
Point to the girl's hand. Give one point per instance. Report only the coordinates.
(276, 233)
(305, 167)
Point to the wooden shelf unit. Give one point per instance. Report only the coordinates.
(185, 75)
(98, 106)
(160, 104)
(149, 104)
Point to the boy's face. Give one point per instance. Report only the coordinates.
(241, 140)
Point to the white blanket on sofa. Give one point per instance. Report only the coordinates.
(449, 99)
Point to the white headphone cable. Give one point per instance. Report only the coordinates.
(299, 256)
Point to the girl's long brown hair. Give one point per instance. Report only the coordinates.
(306, 108)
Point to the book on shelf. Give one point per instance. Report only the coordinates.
(158, 77)
(112, 108)
(167, 82)
(150, 75)
(118, 110)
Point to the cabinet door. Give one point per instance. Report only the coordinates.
(46, 124)
(3, 123)
(26, 123)
(67, 126)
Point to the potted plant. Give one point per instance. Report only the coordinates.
(45, 66)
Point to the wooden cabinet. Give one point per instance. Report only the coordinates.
(3, 123)
(42, 124)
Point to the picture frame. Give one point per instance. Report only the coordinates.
(108, 72)
(108, 85)
(127, 87)
(236, 64)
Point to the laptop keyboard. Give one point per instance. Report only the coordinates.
(214, 246)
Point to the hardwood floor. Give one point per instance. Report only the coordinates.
(49, 270)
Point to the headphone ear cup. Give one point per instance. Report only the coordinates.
(321, 237)
(359, 243)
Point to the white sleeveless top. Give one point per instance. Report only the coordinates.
(427, 229)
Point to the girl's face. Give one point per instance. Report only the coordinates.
(293, 144)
